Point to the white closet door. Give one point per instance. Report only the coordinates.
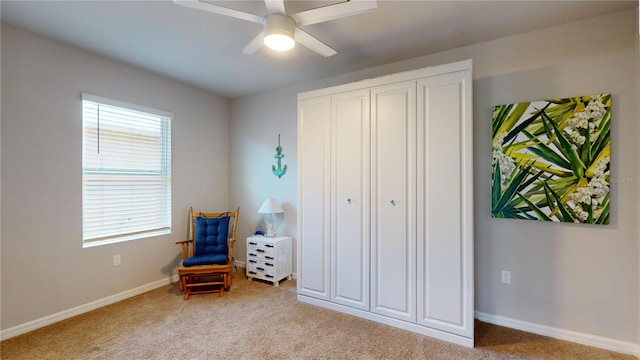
(314, 136)
(350, 198)
(445, 218)
(393, 124)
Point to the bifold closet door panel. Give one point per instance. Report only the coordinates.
(445, 227)
(393, 123)
(314, 136)
(350, 199)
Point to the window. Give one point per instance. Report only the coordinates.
(126, 171)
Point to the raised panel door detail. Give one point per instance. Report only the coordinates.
(444, 226)
(314, 128)
(393, 121)
(350, 191)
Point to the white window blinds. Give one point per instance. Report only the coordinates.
(126, 171)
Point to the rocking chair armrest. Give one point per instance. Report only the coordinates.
(232, 241)
(185, 248)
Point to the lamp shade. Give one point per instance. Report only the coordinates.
(270, 206)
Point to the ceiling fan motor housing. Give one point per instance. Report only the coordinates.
(279, 31)
(279, 24)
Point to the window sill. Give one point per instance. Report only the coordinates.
(94, 243)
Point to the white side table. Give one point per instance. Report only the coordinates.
(269, 258)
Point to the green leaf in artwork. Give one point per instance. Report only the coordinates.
(513, 118)
(525, 123)
(604, 216)
(530, 181)
(602, 154)
(577, 166)
(560, 101)
(546, 167)
(511, 189)
(546, 152)
(604, 133)
(585, 154)
(500, 114)
(495, 185)
(566, 215)
(537, 210)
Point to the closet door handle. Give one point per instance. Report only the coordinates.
(349, 201)
(393, 202)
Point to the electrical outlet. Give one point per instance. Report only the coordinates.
(506, 277)
(116, 260)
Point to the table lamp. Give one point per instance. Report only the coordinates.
(270, 206)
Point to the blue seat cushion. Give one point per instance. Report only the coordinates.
(210, 241)
(214, 259)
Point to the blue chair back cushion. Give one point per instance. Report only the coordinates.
(211, 242)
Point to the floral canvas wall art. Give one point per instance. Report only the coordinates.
(551, 160)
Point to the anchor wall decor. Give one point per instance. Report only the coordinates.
(281, 170)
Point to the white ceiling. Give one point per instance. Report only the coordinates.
(205, 49)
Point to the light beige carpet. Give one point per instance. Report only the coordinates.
(259, 321)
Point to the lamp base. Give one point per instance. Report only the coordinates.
(270, 228)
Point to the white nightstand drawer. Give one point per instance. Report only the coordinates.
(260, 250)
(262, 269)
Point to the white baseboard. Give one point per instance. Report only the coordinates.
(580, 338)
(50, 319)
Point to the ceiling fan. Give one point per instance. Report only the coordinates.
(281, 30)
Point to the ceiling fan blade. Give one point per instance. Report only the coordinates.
(254, 45)
(336, 11)
(275, 6)
(312, 43)
(200, 5)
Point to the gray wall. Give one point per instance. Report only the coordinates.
(566, 276)
(44, 268)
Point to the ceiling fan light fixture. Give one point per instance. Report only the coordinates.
(279, 42)
(279, 31)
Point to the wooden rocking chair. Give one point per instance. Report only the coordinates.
(207, 256)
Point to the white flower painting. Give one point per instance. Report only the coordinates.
(551, 160)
